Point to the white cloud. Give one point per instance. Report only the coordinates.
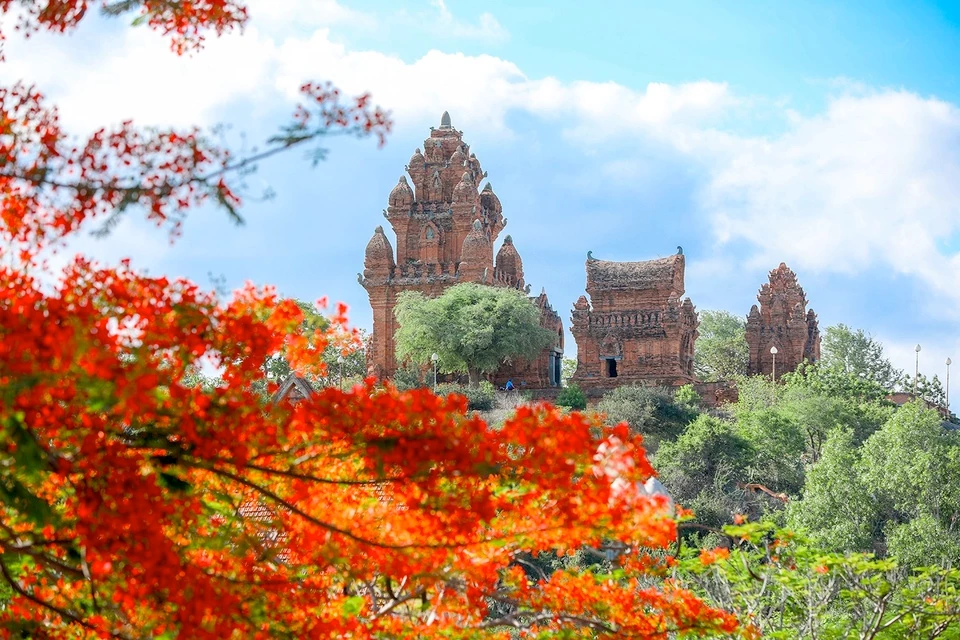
(873, 181)
(479, 91)
(95, 81)
(487, 28)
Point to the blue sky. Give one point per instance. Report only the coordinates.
(822, 135)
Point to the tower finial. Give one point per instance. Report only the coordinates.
(679, 250)
(445, 121)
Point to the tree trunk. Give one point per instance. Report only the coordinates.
(474, 376)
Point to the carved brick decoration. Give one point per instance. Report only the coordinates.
(781, 321)
(635, 329)
(445, 231)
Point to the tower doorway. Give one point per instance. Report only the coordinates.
(611, 367)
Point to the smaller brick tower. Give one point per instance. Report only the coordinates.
(781, 321)
(636, 328)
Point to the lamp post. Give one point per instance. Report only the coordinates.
(916, 372)
(773, 373)
(435, 359)
(949, 362)
(340, 362)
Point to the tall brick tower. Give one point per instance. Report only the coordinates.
(781, 321)
(445, 230)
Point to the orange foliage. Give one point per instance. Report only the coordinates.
(134, 505)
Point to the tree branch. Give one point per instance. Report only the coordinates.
(63, 613)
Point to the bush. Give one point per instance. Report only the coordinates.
(572, 397)
(653, 412)
(480, 398)
(410, 376)
(687, 396)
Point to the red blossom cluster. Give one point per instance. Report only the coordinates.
(356, 117)
(183, 21)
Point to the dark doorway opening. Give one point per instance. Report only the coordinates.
(611, 368)
(557, 369)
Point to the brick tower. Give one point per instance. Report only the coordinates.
(635, 328)
(445, 230)
(781, 321)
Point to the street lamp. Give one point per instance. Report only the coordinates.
(340, 362)
(773, 374)
(916, 372)
(435, 359)
(949, 362)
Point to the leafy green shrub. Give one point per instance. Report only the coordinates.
(652, 412)
(688, 397)
(480, 398)
(572, 397)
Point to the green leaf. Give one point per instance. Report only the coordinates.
(353, 606)
(172, 482)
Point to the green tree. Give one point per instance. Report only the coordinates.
(835, 381)
(931, 390)
(857, 353)
(722, 351)
(411, 376)
(897, 493)
(701, 469)
(568, 367)
(754, 393)
(821, 400)
(836, 508)
(473, 328)
(778, 446)
(687, 396)
(912, 466)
